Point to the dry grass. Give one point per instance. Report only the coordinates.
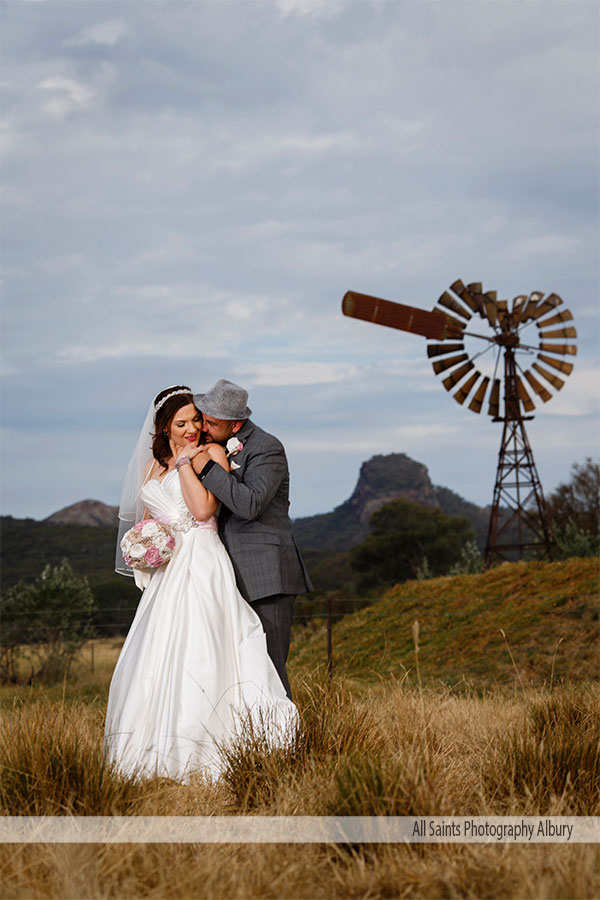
(387, 750)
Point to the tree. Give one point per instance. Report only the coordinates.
(577, 501)
(403, 536)
(44, 623)
(574, 511)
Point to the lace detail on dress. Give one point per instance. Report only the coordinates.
(189, 521)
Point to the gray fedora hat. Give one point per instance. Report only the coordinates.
(224, 400)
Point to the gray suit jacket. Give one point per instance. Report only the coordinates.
(254, 523)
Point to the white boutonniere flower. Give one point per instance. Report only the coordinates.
(233, 447)
(233, 465)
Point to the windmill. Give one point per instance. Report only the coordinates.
(518, 520)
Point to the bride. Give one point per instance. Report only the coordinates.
(194, 667)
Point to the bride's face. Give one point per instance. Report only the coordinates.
(185, 426)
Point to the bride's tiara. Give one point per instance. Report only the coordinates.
(162, 402)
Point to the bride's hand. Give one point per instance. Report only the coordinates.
(190, 452)
(216, 452)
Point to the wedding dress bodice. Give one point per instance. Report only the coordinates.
(164, 500)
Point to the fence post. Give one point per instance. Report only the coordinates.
(329, 640)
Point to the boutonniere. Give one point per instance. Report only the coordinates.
(233, 447)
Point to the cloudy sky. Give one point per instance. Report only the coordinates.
(189, 188)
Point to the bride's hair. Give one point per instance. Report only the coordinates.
(168, 402)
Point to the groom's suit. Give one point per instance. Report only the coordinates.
(255, 527)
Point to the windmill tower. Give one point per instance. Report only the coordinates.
(518, 521)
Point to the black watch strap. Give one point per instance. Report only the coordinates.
(206, 469)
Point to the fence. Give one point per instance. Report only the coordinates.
(328, 614)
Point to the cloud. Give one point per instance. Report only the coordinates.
(68, 96)
(543, 245)
(318, 9)
(192, 187)
(104, 34)
(298, 373)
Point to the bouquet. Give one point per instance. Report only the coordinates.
(148, 545)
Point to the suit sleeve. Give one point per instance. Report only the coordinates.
(248, 497)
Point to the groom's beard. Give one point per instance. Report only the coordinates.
(207, 438)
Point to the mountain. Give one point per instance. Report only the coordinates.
(381, 479)
(85, 532)
(86, 512)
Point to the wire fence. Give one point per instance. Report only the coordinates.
(37, 631)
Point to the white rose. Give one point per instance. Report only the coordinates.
(160, 541)
(150, 529)
(136, 551)
(233, 446)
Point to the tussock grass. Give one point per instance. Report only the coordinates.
(372, 741)
(389, 750)
(51, 764)
(550, 759)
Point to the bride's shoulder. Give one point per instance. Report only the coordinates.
(149, 469)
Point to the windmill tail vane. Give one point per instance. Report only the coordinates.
(513, 527)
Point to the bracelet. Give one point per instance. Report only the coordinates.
(182, 461)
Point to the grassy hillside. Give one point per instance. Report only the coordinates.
(548, 611)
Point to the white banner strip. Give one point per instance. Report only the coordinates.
(299, 829)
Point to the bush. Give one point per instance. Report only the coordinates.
(574, 541)
(470, 561)
(44, 624)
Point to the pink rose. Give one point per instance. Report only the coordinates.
(153, 558)
(128, 560)
(171, 542)
(138, 526)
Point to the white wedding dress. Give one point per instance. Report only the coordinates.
(194, 665)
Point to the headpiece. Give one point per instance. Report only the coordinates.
(168, 396)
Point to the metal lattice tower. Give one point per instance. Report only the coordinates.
(518, 490)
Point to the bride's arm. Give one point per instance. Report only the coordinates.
(200, 502)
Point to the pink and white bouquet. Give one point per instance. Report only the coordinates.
(148, 545)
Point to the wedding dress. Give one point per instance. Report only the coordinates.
(194, 665)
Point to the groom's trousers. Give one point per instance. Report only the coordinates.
(276, 613)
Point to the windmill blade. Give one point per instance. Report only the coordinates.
(456, 376)
(440, 349)
(550, 303)
(538, 388)
(524, 397)
(434, 325)
(502, 310)
(559, 333)
(554, 380)
(463, 392)
(465, 295)
(443, 364)
(563, 349)
(449, 302)
(564, 316)
(494, 405)
(518, 303)
(564, 367)
(478, 397)
(491, 311)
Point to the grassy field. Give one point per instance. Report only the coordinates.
(547, 611)
(373, 741)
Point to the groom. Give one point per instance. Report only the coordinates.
(254, 523)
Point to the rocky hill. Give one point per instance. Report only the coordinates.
(86, 512)
(85, 532)
(381, 479)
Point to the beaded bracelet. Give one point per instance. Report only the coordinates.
(182, 461)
